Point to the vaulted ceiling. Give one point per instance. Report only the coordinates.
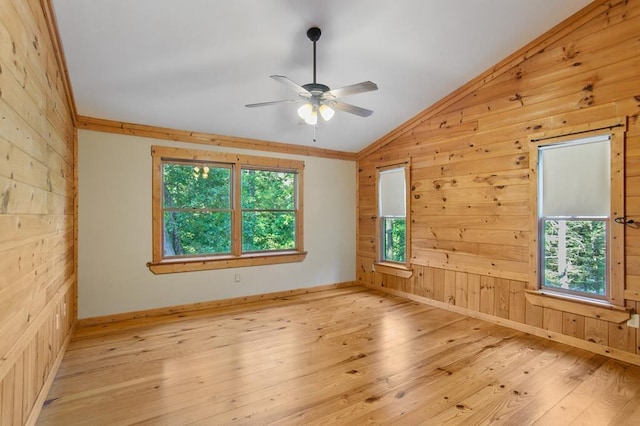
(194, 64)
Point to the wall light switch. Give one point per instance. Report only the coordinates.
(237, 278)
(634, 321)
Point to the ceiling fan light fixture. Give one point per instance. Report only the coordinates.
(319, 98)
(313, 118)
(308, 113)
(326, 112)
(305, 111)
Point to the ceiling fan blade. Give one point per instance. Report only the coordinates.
(365, 86)
(261, 104)
(292, 85)
(352, 109)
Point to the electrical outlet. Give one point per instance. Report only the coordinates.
(237, 278)
(634, 321)
(57, 321)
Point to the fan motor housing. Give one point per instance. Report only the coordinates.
(316, 87)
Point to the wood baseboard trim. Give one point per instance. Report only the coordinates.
(169, 310)
(551, 335)
(46, 387)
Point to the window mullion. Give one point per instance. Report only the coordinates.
(236, 188)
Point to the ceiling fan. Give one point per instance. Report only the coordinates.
(319, 98)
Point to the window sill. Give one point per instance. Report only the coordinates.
(592, 309)
(394, 269)
(170, 266)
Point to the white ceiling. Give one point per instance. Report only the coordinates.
(194, 64)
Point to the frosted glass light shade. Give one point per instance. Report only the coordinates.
(312, 119)
(305, 111)
(326, 112)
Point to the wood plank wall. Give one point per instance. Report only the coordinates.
(470, 183)
(37, 262)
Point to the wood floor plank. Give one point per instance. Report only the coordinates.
(482, 372)
(320, 393)
(342, 356)
(615, 384)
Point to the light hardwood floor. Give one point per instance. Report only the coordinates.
(344, 356)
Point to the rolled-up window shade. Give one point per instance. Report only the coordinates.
(575, 178)
(392, 192)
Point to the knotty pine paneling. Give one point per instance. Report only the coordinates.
(469, 193)
(37, 263)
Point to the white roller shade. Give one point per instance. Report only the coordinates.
(392, 192)
(575, 178)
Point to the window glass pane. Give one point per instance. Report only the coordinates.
(265, 230)
(391, 192)
(268, 190)
(576, 178)
(196, 232)
(393, 239)
(197, 185)
(575, 255)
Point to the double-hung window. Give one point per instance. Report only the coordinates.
(579, 194)
(215, 210)
(393, 224)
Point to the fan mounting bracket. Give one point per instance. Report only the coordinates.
(314, 33)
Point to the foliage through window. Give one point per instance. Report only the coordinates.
(220, 206)
(575, 255)
(196, 208)
(268, 210)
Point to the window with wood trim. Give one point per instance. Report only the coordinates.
(216, 210)
(393, 223)
(579, 193)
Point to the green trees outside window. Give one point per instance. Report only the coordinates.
(393, 239)
(268, 210)
(198, 209)
(575, 255)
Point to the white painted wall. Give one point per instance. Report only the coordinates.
(114, 231)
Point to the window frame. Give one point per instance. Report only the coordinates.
(402, 269)
(242, 210)
(164, 209)
(615, 284)
(161, 264)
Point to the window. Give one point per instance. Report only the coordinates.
(214, 210)
(573, 181)
(268, 210)
(579, 194)
(196, 208)
(393, 225)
